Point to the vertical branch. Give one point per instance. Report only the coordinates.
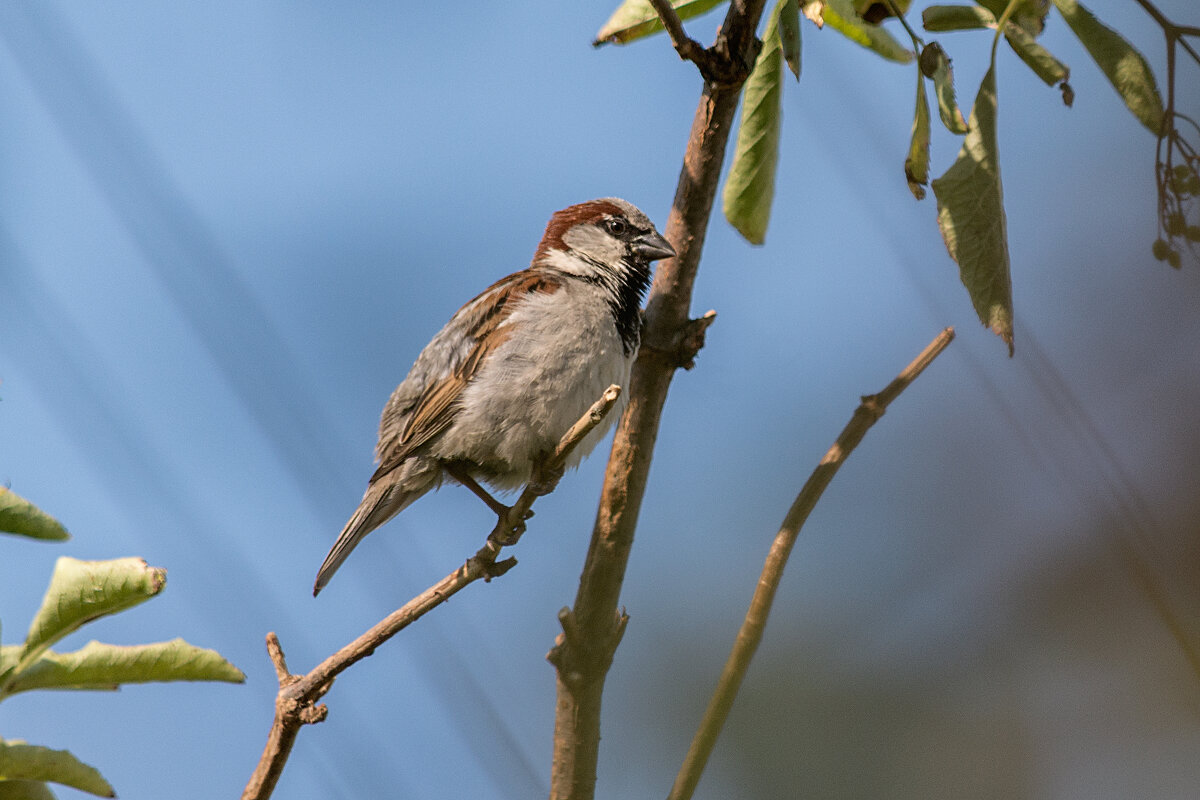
(592, 629)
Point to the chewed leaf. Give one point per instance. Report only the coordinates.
(637, 19)
(971, 216)
(18, 515)
(26, 762)
(936, 64)
(81, 591)
(750, 185)
(916, 166)
(1124, 66)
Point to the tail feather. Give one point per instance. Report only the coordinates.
(382, 501)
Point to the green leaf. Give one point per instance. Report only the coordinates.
(839, 15)
(916, 166)
(750, 185)
(971, 216)
(1124, 66)
(106, 666)
(936, 64)
(25, 790)
(26, 762)
(10, 656)
(18, 515)
(1039, 59)
(637, 19)
(875, 11)
(789, 34)
(1029, 14)
(1019, 36)
(938, 19)
(81, 591)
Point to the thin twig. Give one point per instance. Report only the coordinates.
(295, 705)
(687, 47)
(1172, 203)
(1172, 30)
(918, 43)
(275, 651)
(751, 632)
(1002, 25)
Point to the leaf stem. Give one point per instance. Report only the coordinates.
(1009, 10)
(1172, 30)
(917, 41)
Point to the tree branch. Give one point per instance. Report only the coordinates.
(868, 412)
(592, 629)
(1172, 30)
(731, 58)
(295, 705)
(688, 48)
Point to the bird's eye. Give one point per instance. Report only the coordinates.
(616, 226)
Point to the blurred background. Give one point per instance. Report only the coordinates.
(226, 230)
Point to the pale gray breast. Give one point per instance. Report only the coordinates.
(538, 383)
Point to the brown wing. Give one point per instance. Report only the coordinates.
(437, 406)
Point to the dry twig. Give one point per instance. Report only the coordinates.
(751, 632)
(296, 703)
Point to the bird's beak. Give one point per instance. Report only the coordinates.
(652, 246)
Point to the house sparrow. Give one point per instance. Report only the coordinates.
(499, 385)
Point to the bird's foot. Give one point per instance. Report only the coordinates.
(509, 526)
(545, 479)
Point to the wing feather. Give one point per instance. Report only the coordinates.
(404, 431)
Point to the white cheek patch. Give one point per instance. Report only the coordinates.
(592, 241)
(564, 262)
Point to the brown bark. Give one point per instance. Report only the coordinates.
(593, 628)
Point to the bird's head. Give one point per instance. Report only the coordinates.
(606, 240)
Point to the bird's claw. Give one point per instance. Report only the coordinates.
(508, 530)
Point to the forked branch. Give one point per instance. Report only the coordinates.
(687, 47)
(731, 58)
(296, 703)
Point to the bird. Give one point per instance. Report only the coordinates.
(498, 386)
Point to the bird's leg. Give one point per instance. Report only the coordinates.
(544, 479)
(460, 474)
(508, 530)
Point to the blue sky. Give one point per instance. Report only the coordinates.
(228, 229)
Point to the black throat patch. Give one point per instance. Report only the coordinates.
(625, 289)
